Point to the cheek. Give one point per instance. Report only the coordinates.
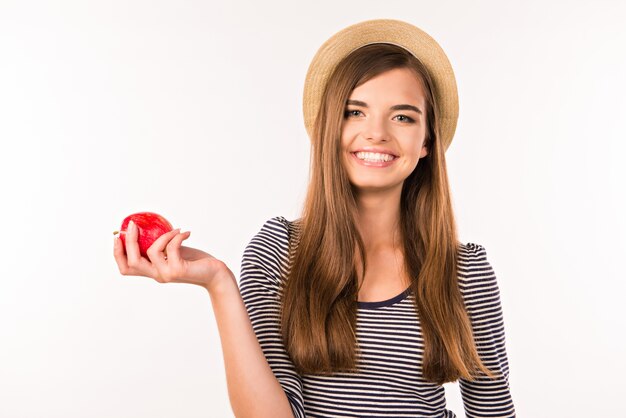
(417, 142)
(349, 130)
(345, 142)
(344, 137)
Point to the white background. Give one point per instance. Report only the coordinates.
(193, 110)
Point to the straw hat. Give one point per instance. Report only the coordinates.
(396, 32)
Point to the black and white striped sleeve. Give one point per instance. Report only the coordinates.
(259, 286)
(485, 397)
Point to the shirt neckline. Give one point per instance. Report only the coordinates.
(387, 302)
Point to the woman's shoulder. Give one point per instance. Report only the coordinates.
(471, 254)
(479, 287)
(279, 227)
(266, 254)
(276, 237)
(475, 273)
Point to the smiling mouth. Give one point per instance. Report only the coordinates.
(374, 157)
(375, 163)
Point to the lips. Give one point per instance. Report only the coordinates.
(373, 163)
(377, 151)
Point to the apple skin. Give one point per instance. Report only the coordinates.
(150, 226)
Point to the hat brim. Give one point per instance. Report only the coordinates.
(392, 31)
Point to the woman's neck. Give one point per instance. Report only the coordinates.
(378, 220)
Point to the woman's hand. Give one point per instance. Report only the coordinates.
(168, 261)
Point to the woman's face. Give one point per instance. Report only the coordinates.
(385, 116)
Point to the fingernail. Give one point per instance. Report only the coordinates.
(131, 225)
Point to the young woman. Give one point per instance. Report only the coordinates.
(368, 303)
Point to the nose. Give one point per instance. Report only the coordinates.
(375, 130)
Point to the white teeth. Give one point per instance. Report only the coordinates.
(374, 156)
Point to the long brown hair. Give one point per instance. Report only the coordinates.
(320, 292)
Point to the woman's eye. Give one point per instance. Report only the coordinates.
(406, 118)
(349, 113)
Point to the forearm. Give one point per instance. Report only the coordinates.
(253, 389)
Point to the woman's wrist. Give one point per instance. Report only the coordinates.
(221, 282)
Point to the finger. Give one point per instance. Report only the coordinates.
(120, 257)
(155, 252)
(173, 248)
(132, 247)
(138, 265)
(126, 267)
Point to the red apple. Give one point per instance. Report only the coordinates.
(150, 226)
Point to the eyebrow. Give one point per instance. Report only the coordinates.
(395, 107)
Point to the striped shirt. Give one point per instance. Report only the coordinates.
(389, 382)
